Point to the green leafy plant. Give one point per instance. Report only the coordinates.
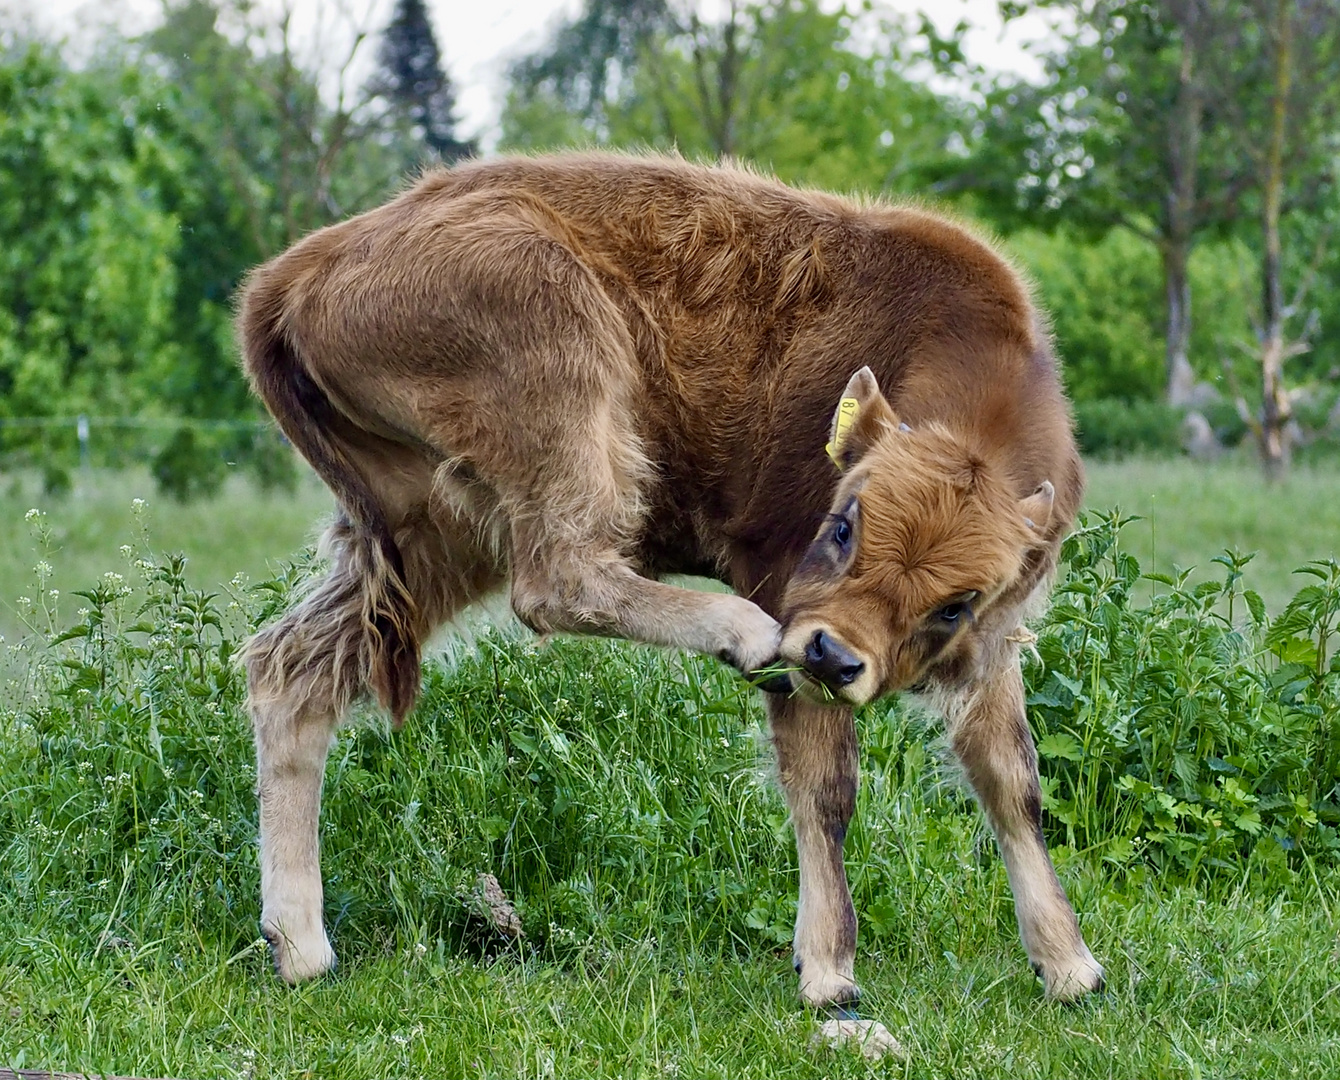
(1113, 428)
(1190, 733)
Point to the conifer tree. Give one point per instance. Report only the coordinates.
(414, 83)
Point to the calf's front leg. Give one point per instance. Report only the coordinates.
(989, 733)
(818, 767)
(601, 594)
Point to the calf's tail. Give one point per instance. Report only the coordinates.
(389, 651)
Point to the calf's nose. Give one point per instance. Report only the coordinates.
(830, 661)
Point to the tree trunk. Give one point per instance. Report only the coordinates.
(1181, 377)
(1275, 411)
(1183, 158)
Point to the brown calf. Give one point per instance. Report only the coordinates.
(568, 376)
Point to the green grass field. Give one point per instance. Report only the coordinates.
(622, 797)
(1192, 512)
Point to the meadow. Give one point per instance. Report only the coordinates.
(622, 797)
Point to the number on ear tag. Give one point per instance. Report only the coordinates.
(843, 420)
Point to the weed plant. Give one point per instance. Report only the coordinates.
(1191, 732)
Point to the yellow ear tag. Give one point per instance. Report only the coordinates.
(847, 409)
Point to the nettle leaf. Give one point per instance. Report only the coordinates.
(1315, 569)
(1187, 768)
(86, 677)
(1073, 685)
(1296, 650)
(1059, 744)
(1050, 700)
(1256, 606)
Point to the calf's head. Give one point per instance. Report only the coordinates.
(924, 539)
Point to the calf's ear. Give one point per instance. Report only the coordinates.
(861, 417)
(1037, 508)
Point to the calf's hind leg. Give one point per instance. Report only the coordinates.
(303, 674)
(990, 736)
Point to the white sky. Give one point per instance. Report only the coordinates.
(479, 37)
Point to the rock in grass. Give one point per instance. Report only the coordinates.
(871, 1037)
(494, 906)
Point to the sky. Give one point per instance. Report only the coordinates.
(478, 38)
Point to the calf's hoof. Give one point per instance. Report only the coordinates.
(826, 988)
(752, 637)
(299, 952)
(1070, 981)
(871, 1037)
(772, 681)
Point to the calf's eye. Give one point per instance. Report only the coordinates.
(955, 610)
(842, 534)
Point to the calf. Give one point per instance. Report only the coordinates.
(568, 376)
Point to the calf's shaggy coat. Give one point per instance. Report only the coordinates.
(567, 376)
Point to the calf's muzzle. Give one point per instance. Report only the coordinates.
(831, 662)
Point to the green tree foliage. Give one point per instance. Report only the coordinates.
(293, 160)
(1292, 47)
(1131, 127)
(90, 176)
(1103, 296)
(817, 97)
(413, 82)
(136, 193)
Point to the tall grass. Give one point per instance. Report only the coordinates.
(241, 530)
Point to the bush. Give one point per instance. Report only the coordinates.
(189, 466)
(1114, 428)
(1102, 298)
(271, 460)
(1226, 422)
(1191, 733)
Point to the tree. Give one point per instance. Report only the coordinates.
(296, 158)
(1131, 129)
(88, 281)
(413, 82)
(1292, 153)
(572, 75)
(781, 83)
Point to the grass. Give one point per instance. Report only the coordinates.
(243, 530)
(1195, 989)
(1193, 511)
(622, 798)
